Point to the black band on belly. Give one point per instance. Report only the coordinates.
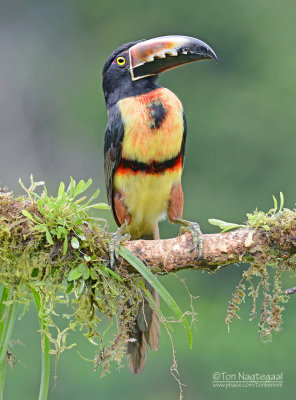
(154, 167)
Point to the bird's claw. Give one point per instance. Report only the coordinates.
(196, 233)
(115, 241)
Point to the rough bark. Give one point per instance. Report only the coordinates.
(220, 249)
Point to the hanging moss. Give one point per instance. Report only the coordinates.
(49, 245)
(275, 222)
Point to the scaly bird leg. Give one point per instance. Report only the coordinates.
(175, 212)
(115, 242)
(194, 229)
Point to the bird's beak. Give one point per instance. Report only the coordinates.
(153, 56)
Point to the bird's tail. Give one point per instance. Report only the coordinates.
(145, 331)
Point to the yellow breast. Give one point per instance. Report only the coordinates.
(146, 198)
(153, 132)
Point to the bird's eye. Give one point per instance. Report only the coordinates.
(120, 61)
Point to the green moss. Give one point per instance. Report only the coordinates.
(259, 278)
(65, 261)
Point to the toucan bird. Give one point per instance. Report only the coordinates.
(144, 153)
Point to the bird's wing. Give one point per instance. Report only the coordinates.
(112, 151)
(184, 139)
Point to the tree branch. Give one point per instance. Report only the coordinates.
(220, 249)
(50, 245)
(246, 244)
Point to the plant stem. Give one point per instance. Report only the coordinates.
(7, 332)
(45, 374)
(2, 378)
(4, 297)
(6, 328)
(45, 364)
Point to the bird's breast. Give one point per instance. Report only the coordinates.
(153, 126)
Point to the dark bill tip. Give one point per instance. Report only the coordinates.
(157, 55)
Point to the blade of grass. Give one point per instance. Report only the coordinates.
(154, 282)
(281, 201)
(2, 378)
(4, 297)
(45, 366)
(152, 302)
(7, 331)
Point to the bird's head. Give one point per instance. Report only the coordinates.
(133, 68)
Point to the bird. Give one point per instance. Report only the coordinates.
(144, 151)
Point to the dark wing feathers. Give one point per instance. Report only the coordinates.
(184, 138)
(112, 151)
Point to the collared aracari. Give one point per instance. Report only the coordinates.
(144, 153)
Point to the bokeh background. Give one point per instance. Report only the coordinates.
(240, 150)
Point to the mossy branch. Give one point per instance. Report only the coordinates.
(51, 247)
(256, 245)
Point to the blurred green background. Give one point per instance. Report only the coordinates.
(240, 150)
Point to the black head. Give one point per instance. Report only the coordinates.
(117, 82)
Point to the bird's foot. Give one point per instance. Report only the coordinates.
(115, 241)
(196, 233)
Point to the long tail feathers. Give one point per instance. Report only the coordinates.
(145, 331)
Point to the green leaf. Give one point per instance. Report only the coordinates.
(86, 257)
(61, 221)
(92, 198)
(38, 218)
(48, 237)
(71, 187)
(28, 215)
(281, 201)
(70, 287)
(93, 274)
(80, 287)
(225, 226)
(101, 206)
(65, 246)
(82, 187)
(154, 282)
(114, 274)
(78, 187)
(74, 274)
(36, 297)
(74, 243)
(275, 203)
(61, 192)
(80, 200)
(40, 204)
(103, 271)
(253, 218)
(40, 227)
(152, 302)
(82, 267)
(35, 273)
(62, 232)
(86, 273)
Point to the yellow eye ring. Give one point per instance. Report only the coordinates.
(120, 61)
